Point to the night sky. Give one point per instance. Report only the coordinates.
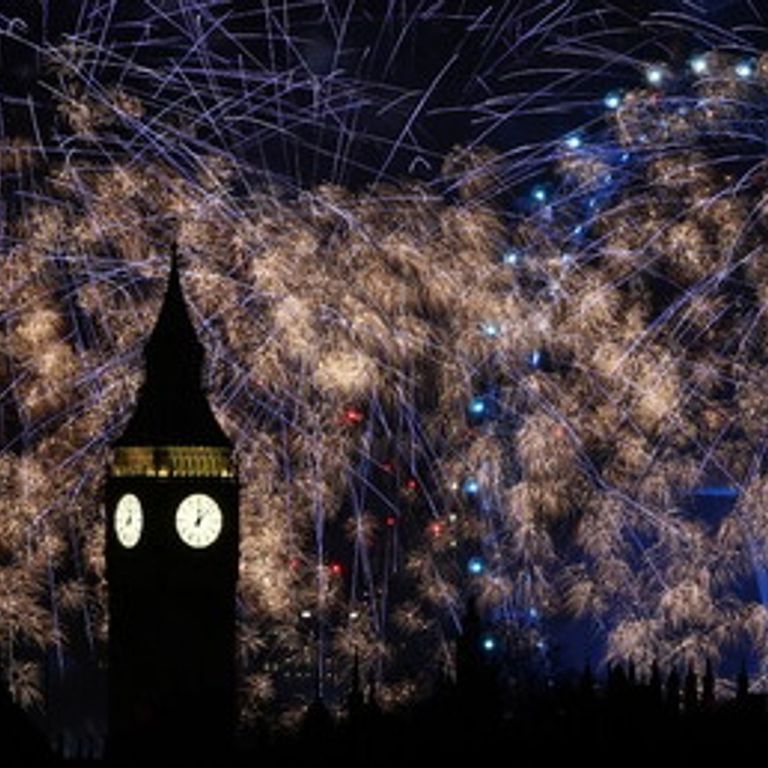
(414, 79)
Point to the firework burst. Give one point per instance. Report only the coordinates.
(430, 396)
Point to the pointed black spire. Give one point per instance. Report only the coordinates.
(708, 691)
(655, 684)
(355, 699)
(470, 664)
(172, 408)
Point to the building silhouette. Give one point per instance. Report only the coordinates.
(172, 558)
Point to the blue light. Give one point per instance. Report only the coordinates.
(477, 406)
(654, 75)
(471, 487)
(536, 358)
(489, 644)
(578, 230)
(533, 613)
(512, 257)
(539, 194)
(698, 65)
(475, 565)
(744, 69)
(624, 157)
(491, 329)
(612, 100)
(573, 141)
(720, 491)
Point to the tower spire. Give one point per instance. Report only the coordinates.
(172, 408)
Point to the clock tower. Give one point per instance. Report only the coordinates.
(172, 558)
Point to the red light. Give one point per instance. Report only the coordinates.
(336, 569)
(353, 416)
(411, 484)
(391, 520)
(436, 529)
(388, 466)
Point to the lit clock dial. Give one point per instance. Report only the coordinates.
(198, 520)
(129, 520)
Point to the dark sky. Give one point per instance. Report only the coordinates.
(319, 91)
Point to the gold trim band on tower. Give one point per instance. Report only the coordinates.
(172, 461)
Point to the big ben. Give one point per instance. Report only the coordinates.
(172, 557)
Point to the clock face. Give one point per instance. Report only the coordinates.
(198, 520)
(129, 520)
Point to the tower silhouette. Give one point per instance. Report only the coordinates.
(172, 557)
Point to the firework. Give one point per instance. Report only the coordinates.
(431, 397)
